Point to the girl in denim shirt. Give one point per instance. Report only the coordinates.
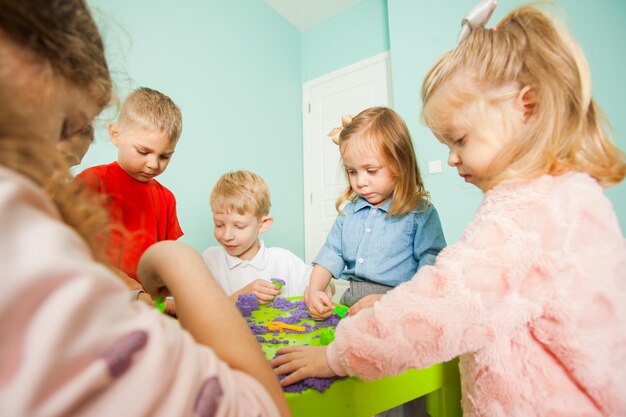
(389, 228)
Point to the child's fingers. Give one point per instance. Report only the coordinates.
(265, 284)
(363, 303)
(300, 362)
(294, 363)
(326, 301)
(320, 316)
(298, 375)
(286, 350)
(322, 305)
(286, 362)
(264, 298)
(170, 307)
(267, 288)
(319, 312)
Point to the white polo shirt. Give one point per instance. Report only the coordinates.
(233, 273)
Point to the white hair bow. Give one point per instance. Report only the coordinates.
(476, 18)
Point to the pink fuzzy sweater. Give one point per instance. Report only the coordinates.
(532, 298)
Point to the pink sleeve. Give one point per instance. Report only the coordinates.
(73, 343)
(456, 306)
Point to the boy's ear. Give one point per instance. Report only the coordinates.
(114, 134)
(526, 101)
(265, 223)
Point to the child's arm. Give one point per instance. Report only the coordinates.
(205, 311)
(138, 292)
(448, 309)
(264, 291)
(363, 303)
(453, 307)
(317, 300)
(429, 239)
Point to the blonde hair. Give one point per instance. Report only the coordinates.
(63, 37)
(243, 192)
(383, 131)
(153, 110)
(567, 130)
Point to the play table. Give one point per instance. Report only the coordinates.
(351, 397)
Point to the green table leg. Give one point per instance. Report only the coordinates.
(355, 398)
(446, 401)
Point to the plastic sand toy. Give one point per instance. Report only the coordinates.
(278, 282)
(280, 326)
(341, 311)
(160, 304)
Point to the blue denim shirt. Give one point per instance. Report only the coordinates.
(365, 244)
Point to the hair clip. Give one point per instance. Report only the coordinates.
(346, 119)
(476, 18)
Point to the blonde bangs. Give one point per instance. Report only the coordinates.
(152, 110)
(242, 192)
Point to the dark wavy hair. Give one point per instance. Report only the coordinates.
(60, 36)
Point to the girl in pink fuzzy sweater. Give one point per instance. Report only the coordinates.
(532, 296)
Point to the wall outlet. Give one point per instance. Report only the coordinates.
(434, 166)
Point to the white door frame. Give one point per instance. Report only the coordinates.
(308, 141)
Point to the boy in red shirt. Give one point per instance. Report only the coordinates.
(142, 210)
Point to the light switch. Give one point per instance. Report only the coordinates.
(434, 166)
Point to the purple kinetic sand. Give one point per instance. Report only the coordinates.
(258, 329)
(278, 281)
(333, 320)
(283, 303)
(274, 341)
(320, 384)
(307, 329)
(250, 300)
(294, 318)
(244, 309)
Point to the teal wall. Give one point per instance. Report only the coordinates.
(356, 34)
(236, 69)
(420, 32)
(233, 67)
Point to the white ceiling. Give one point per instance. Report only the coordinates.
(304, 14)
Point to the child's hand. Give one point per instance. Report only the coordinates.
(145, 297)
(319, 304)
(170, 307)
(363, 303)
(301, 362)
(263, 290)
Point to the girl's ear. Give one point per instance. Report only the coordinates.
(265, 223)
(114, 134)
(526, 102)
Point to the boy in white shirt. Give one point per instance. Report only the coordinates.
(240, 202)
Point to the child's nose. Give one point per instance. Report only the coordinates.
(153, 162)
(453, 159)
(228, 233)
(361, 180)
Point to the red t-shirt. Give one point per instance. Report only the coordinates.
(141, 213)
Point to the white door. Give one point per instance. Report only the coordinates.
(325, 99)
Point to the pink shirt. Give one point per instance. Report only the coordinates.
(532, 298)
(74, 344)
